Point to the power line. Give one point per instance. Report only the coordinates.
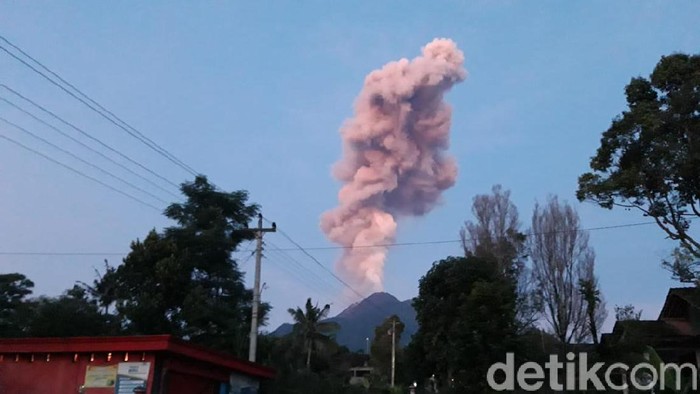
(295, 262)
(61, 253)
(249, 251)
(66, 166)
(82, 160)
(299, 247)
(294, 273)
(89, 136)
(303, 279)
(451, 241)
(417, 243)
(304, 250)
(247, 259)
(84, 145)
(319, 279)
(95, 106)
(339, 279)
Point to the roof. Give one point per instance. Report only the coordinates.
(149, 343)
(675, 327)
(679, 297)
(646, 328)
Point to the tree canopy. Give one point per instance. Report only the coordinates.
(310, 328)
(466, 313)
(381, 346)
(183, 281)
(495, 234)
(648, 159)
(563, 265)
(14, 289)
(71, 314)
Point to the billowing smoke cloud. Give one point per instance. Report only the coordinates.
(393, 160)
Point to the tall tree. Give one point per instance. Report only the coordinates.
(648, 159)
(310, 329)
(183, 281)
(596, 311)
(495, 234)
(151, 285)
(382, 343)
(561, 259)
(466, 315)
(14, 312)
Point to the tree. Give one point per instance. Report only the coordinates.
(561, 259)
(183, 281)
(496, 231)
(596, 312)
(216, 309)
(648, 159)
(382, 344)
(103, 288)
(495, 235)
(72, 314)
(310, 329)
(151, 285)
(466, 315)
(14, 289)
(627, 312)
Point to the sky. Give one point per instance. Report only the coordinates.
(253, 95)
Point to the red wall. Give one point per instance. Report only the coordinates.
(59, 375)
(179, 383)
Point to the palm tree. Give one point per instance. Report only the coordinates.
(309, 327)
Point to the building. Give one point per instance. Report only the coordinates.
(157, 364)
(360, 376)
(675, 335)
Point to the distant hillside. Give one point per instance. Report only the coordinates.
(359, 320)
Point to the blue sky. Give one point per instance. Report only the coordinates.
(253, 96)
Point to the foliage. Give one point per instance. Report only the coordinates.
(103, 289)
(627, 312)
(669, 377)
(183, 281)
(561, 259)
(648, 158)
(72, 314)
(382, 344)
(596, 312)
(310, 329)
(496, 235)
(329, 372)
(466, 313)
(14, 312)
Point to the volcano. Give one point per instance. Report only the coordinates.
(358, 321)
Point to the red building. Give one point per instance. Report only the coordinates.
(157, 364)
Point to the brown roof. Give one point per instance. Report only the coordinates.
(645, 328)
(680, 298)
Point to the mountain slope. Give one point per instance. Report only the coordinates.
(359, 320)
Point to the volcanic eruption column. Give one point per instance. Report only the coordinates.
(393, 161)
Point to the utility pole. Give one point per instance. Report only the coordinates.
(259, 231)
(393, 351)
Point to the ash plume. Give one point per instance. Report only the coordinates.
(393, 161)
